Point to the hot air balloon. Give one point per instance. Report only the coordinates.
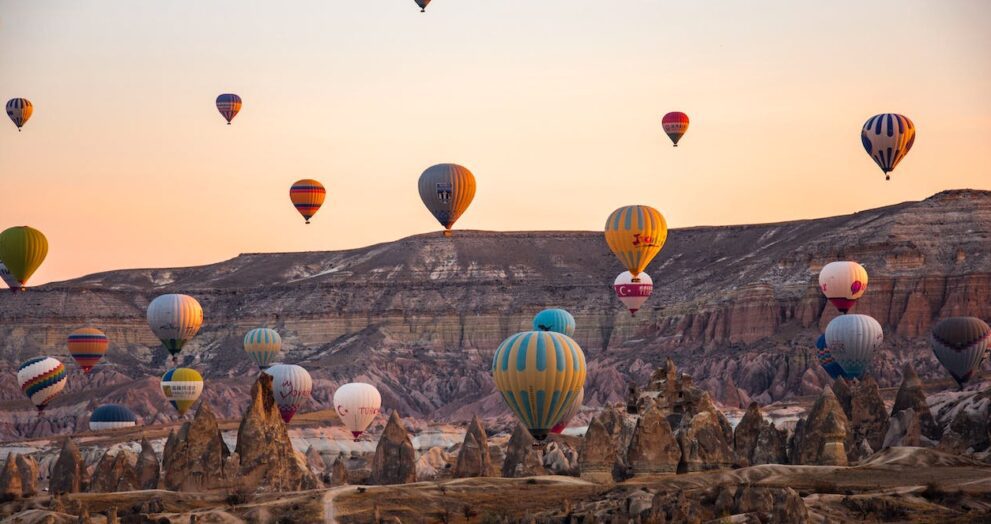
(675, 124)
(572, 411)
(175, 319)
(423, 5)
(41, 379)
(307, 195)
(633, 292)
(87, 346)
(636, 234)
(852, 340)
(826, 359)
(960, 344)
(357, 405)
(540, 374)
(19, 110)
(228, 104)
(22, 250)
(888, 137)
(843, 283)
(557, 320)
(262, 345)
(291, 386)
(447, 190)
(9, 279)
(182, 386)
(112, 416)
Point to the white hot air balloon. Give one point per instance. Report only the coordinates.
(852, 341)
(843, 283)
(175, 319)
(357, 405)
(291, 385)
(633, 294)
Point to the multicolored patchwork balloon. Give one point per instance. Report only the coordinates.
(675, 125)
(262, 345)
(307, 196)
(557, 320)
(636, 234)
(182, 387)
(887, 138)
(228, 104)
(540, 374)
(826, 359)
(87, 346)
(41, 379)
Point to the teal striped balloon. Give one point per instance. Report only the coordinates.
(262, 345)
(557, 320)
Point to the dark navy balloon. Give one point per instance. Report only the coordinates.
(112, 416)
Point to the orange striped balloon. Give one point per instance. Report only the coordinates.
(636, 235)
(87, 346)
(307, 195)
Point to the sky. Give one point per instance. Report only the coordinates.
(555, 105)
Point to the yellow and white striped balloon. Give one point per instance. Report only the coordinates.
(262, 345)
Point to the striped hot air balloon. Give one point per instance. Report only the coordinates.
(843, 283)
(87, 346)
(307, 195)
(181, 387)
(633, 292)
(557, 320)
(423, 5)
(826, 359)
(636, 235)
(888, 137)
(9, 279)
(228, 104)
(852, 341)
(22, 250)
(357, 405)
(572, 412)
(262, 345)
(41, 379)
(112, 416)
(447, 190)
(292, 386)
(175, 319)
(540, 374)
(960, 344)
(19, 110)
(675, 125)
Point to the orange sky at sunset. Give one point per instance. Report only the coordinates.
(555, 106)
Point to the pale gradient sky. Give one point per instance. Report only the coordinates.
(555, 105)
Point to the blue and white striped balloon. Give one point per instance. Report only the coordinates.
(262, 345)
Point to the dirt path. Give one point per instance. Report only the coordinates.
(328, 502)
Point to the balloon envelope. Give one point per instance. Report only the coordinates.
(423, 5)
(447, 190)
(22, 250)
(633, 294)
(826, 358)
(112, 416)
(357, 405)
(307, 196)
(175, 319)
(41, 379)
(572, 411)
(539, 373)
(675, 125)
(887, 138)
(557, 320)
(228, 104)
(636, 234)
(19, 110)
(182, 386)
(262, 345)
(960, 343)
(843, 283)
(87, 346)
(852, 341)
(291, 385)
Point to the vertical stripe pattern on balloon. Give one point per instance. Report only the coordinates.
(175, 319)
(447, 190)
(887, 138)
(19, 110)
(960, 344)
(635, 234)
(228, 104)
(675, 124)
(852, 341)
(262, 345)
(22, 250)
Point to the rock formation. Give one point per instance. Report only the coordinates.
(148, 469)
(912, 422)
(522, 459)
(474, 459)
(653, 448)
(265, 454)
(703, 444)
(819, 438)
(757, 441)
(28, 469)
(196, 457)
(395, 457)
(868, 419)
(561, 459)
(339, 472)
(69, 473)
(115, 472)
(10, 480)
(598, 454)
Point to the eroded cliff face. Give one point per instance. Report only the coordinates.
(420, 317)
